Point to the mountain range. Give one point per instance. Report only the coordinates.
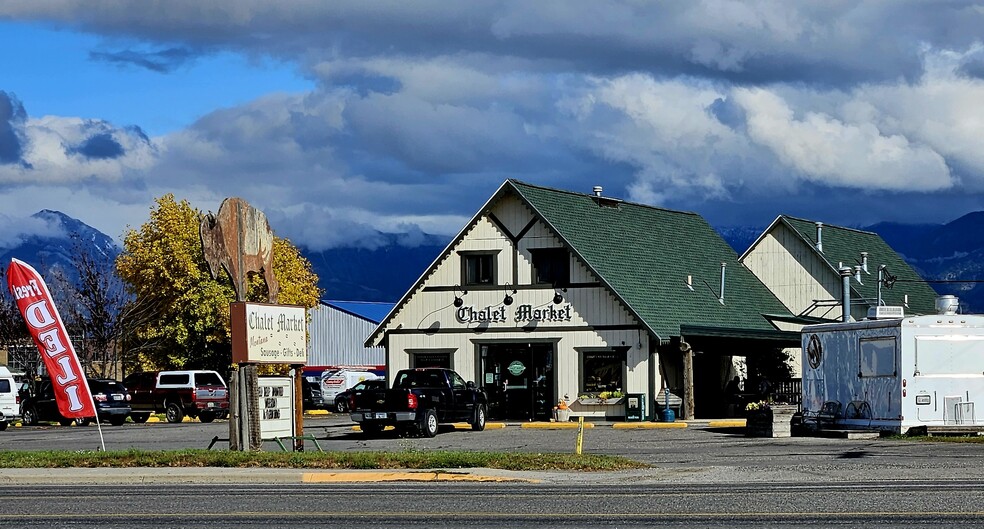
(938, 252)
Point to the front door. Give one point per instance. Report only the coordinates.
(519, 381)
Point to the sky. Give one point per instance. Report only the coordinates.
(343, 120)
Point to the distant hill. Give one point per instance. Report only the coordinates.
(951, 251)
(53, 251)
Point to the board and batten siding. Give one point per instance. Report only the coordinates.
(428, 322)
(336, 338)
(794, 272)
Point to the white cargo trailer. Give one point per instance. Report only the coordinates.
(897, 373)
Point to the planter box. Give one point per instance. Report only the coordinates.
(773, 422)
(601, 402)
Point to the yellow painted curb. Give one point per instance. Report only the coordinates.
(357, 429)
(736, 423)
(317, 412)
(488, 426)
(649, 425)
(343, 477)
(555, 425)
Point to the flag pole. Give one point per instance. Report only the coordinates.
(102, 442)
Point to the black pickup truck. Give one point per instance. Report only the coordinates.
(418, 402)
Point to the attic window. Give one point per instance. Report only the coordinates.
(551, 266)
(477, 268)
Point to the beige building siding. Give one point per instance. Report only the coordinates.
(428, 321)
(790, 268)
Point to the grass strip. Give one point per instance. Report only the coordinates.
(315, 460)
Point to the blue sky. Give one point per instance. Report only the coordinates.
(342, 120)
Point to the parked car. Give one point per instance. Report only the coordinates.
(311, 393)
(9, 398)
(342, 400)
(201, 394)
(420, 400)
(335, 382)
(111, 399)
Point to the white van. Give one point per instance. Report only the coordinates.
(9, 398)
(335, 382)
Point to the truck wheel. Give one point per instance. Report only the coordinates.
(479, 423)
(371, 429)
(173, 412)
(30, 416)
(340, 406)
(206, 416)
(428, 424)
(140, 418)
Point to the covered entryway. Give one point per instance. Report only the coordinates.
(519, 381)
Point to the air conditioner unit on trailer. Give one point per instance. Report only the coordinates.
(885, 312)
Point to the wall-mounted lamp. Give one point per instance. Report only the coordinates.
(508, 300)
(458, 302)
(558, 297)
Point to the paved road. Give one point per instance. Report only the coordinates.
(691, 455)
(876, 504)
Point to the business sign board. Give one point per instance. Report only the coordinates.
(276, 405)
(268, 334)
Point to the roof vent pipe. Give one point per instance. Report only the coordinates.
(721, 297)
(819, 237)
(846, 281)
(947, 305)
(864, 262)
(857, 274)
(597, 190)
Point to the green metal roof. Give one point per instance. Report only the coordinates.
(644, 255)
(844, 245)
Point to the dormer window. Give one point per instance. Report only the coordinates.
(551, 266)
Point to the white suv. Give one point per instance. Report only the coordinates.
(9, 398)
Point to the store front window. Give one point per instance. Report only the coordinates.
(602, 371)
(430, 359)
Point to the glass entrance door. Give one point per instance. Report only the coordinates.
(518, 379)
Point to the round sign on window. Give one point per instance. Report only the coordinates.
(516, 368)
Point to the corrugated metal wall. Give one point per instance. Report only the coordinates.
(337, 337)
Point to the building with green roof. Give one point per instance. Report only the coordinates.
(801, 262)
(549, 295)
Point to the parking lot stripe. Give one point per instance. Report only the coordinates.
(648, 425)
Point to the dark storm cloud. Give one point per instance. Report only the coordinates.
(99, 147)
(162, 61)
(12, 116)
(832, 43)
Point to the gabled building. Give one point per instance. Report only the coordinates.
(805, 264)
(548, 295)
(337, 332)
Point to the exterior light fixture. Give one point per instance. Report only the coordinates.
(458, 301)
(558, 297)
(508, 300)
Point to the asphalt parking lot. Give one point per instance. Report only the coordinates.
(692, 454)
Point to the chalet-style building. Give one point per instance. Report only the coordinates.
(806, 264)
(548, 295)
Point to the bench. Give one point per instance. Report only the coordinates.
(827, 415)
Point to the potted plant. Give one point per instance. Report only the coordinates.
(768, 419)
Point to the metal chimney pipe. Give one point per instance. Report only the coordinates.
(857, 274)
(819, 237)
(864, 261)
(846, 282)
(721, 296)
(597, 190)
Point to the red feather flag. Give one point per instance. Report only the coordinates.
(46, 326)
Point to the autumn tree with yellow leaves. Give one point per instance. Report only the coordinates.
(179, 317)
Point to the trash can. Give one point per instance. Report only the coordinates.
(667, 415)
(635, 406)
